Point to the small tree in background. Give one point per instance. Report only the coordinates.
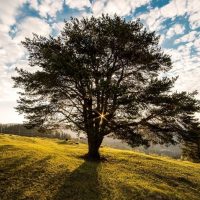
(191, 144)
(102, 76)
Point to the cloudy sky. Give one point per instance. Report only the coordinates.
(177, 21)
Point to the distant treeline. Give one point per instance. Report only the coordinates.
(174, 151)
(20, 129)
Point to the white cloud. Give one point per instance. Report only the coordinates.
(194, 20)
(112, 7)
(78, 4)
(4, 28)
(8, 112)
(8, 11)
(196, 44)
(98, 7)
(190, 37)
(175, 30)
(8, 96)
(162, 39)
(6, 87)
(11, 54)
(33, 4)
(121, 8)
(189, 80)
(193, 5)
(174, 8)
(194, 13)
(47, 7)
(186, 66)
(11, 51)
(58, 26)
(32, 25)
(153, 19)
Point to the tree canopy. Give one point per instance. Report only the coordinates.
(104, 75)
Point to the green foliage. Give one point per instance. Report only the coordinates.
(36, 168)
(102, 76)
(191, 144)
(191, 151)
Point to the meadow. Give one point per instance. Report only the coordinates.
(41, 168)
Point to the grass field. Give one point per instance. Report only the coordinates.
(38, 168)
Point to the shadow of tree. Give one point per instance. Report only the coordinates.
(43, 178)
(23, 174)
(82, 184)
(30, 179)
(6, 148)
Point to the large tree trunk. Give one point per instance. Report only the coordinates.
(94, 143)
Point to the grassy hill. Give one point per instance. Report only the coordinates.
(38, 168)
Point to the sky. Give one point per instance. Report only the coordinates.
(176, 21)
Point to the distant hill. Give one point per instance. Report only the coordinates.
(41, 168)
(173, 151)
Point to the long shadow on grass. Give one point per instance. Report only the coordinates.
(18, 175)
(8, 147)
(81, 184)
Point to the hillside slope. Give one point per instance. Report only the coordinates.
(38, 168)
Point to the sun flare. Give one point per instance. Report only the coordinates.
(102, 115)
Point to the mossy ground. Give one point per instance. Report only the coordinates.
(38, 168)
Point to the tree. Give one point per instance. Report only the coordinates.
(104, 75)
(191, 145)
